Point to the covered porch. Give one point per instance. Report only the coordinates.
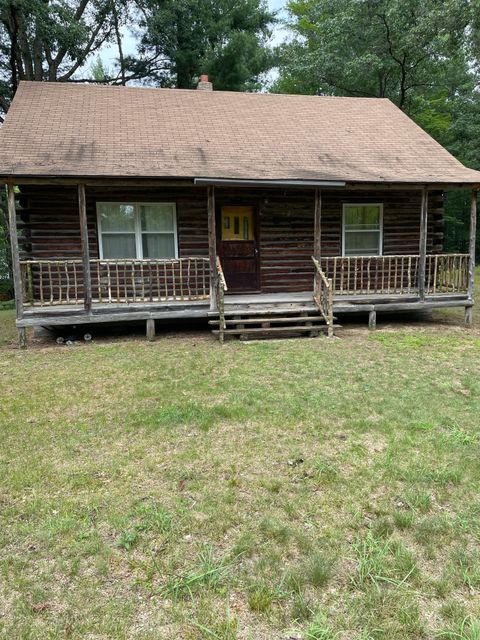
(87, 289)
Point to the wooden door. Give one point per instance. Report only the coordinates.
(238, 248)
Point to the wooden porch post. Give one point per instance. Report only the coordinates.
(17, 276)
(422, 260)
(317, 235)
(471, 259)
(87, 277)
(212, 247)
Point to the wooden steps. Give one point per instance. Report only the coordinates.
(265, 322)
(265, 333)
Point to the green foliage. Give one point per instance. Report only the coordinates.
(227, 39)
(422, 54)
(52, 40)
(99, 71)
(382, 48)
(320, 630)
(6, 282)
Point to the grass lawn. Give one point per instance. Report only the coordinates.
(304, 488)
(8, 333)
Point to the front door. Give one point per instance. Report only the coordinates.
(238, 248)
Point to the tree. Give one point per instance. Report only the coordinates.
(53, 39)
(6, 281)
(376, 48)
(99, 71)
(422, 54)
(227, 39)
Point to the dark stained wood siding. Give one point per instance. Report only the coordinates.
(286, 231)
(49, 224)
(49, 220)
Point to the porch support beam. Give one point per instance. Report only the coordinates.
(471, 259)
(212, 246)
(17, 275)
(87, 276)
(317, 232)
(150, 329)
(422, 260)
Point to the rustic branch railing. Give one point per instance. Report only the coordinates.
(323, 296)
(365, 275)
(56, 282)
(59, 282)
(221, 288)
(447, 273)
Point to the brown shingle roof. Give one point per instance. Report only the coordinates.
(55, 129)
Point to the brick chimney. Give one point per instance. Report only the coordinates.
(204, 84)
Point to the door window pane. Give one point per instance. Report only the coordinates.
(117, 217)
(158, 245)
(157, 217)
(237, 223)
(119, 245)
(246, 233)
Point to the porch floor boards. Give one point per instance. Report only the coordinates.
(274, 302)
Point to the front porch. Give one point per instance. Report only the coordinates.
(301, 286)
(149, 290)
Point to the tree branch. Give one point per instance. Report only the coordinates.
(62, 52)
(88, 49)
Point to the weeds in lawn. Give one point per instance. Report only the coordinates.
(468, 629)
(316, 570)
(320, 630)
(128, 539)
(302, 608)
(275, 530)
(222, 630)
(190, 491)
(372, 555)
(382, 561)
(467, 566)
(149, 517)
(417, 501)
(261, 597)
(324, 470)
(207, 575)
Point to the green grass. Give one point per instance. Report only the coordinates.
(8, 333)
(306, 488)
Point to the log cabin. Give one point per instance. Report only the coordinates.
(259, 212)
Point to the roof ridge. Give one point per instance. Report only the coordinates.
(97, 85)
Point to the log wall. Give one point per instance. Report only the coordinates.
(286, 234)
(48, 222)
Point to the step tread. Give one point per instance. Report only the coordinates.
(273, 329)
(242, 311)
(273, 320)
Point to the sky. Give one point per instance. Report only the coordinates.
(110, 52)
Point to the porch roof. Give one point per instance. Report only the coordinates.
(62, 130)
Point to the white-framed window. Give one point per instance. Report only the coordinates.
(137, 230)
(362, 229)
